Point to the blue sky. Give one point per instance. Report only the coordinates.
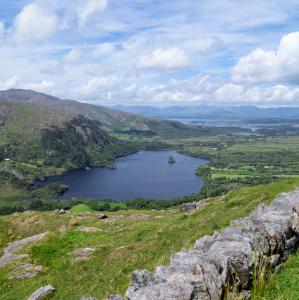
(153, 52)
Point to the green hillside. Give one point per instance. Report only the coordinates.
(123, 242)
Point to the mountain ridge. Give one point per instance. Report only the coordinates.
(243, 113)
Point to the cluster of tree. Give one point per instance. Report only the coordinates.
(77, 144)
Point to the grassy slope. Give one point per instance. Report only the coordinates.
(282, 285)
(25, 121)
(10, 195)
(128, 240)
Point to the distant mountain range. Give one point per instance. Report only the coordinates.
(242, 113)
(110, 119)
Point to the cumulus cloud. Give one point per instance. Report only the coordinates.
(203, 89)
(33, 23)
(96, 86)
(204, 45)
(90, 7)
(167, 59)
(268, 66)
(231, 93)
(16, 82)
(12, 82)
(40, 86)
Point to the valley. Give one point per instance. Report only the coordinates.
(149, 150)
(114, 226)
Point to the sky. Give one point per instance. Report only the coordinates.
(153, 52)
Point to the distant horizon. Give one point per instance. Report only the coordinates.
(152, 106)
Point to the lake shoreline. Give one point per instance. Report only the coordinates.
(157, 157)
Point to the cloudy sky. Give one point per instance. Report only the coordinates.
(156, 52)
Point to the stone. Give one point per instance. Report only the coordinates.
(83, 254)
(101, 216)
(25, 271)
(9, 252)
(164, 291)
(225, 261)
(61, 212)
(87, 298)
(42, 292)
(140, 278)
(190, 207)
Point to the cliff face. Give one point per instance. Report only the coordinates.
(226, 261)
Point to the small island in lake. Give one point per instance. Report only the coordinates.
(171, 160)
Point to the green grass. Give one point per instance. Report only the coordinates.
(10, 195)
(282, 285)
(81, 208)
(127, 240)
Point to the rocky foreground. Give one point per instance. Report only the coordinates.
(227, 261)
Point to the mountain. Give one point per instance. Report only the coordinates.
(241, 113)
(42, 134)
(36, 141)
(110, 119)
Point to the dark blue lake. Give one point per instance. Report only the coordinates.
(146, 174)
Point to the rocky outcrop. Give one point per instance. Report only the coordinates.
(190, 207)
(42, 292)
(9, 252)
(25, 271)
(83, 254)
(227, 260)
(101, 216)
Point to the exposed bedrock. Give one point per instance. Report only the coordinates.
(228, 260)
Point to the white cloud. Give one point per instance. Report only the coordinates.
(268, 66)
(229, 93)
(73, 56)
(33, 23)
(275, 95)
(203, 45)
(96, 86)
(170, 58)
(90, 7)
(44, 85)
(16, 82)
(12, 82)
